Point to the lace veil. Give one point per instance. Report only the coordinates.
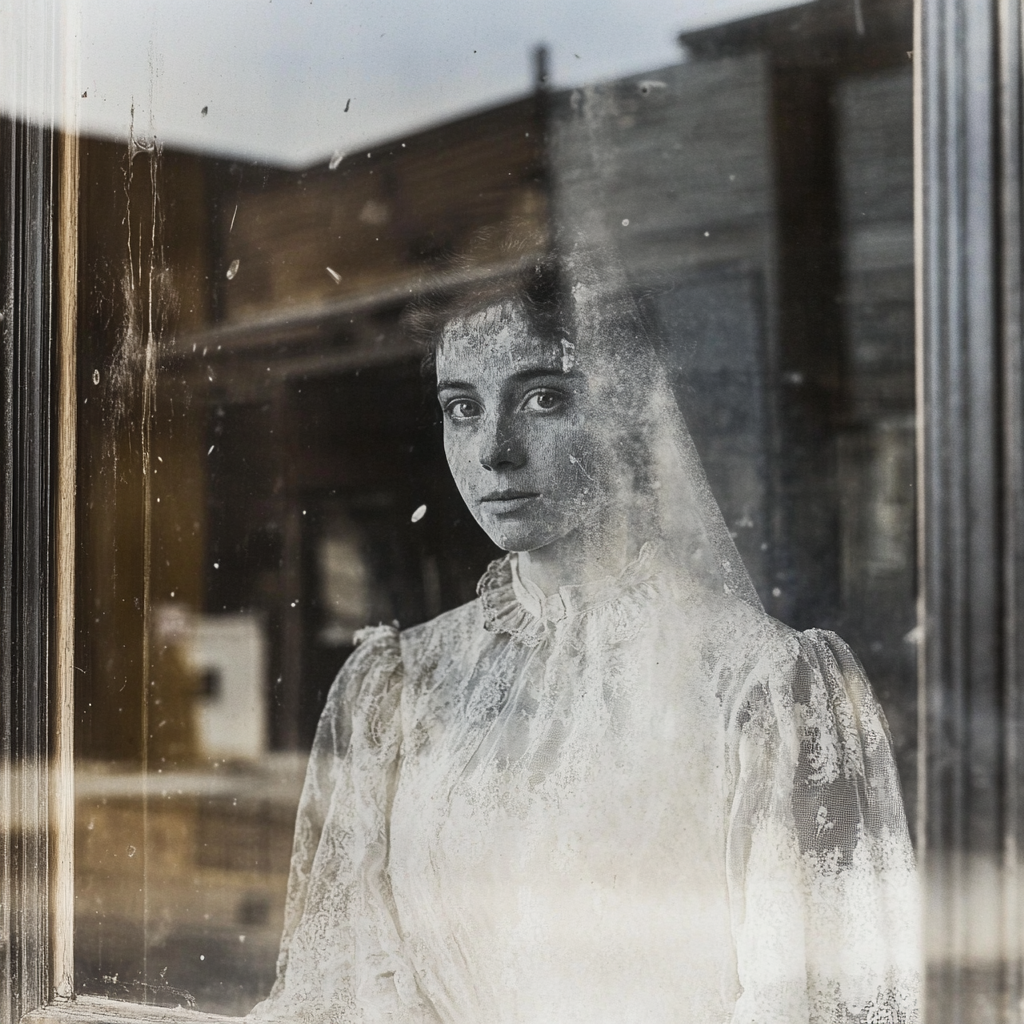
(645, 452)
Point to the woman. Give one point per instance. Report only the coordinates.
(611, 788)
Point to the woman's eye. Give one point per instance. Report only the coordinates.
(462, 409)
(544, 401)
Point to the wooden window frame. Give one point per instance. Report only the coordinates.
(968, 158)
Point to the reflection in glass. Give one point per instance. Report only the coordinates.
(256, 433)
(611, 788)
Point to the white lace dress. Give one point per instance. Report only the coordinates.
(624, 803)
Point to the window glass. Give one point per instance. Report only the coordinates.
(270, 192)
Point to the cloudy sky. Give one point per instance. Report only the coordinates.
(276, 76)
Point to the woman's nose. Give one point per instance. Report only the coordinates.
(501, 450)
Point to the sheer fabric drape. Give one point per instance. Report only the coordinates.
(627, 803)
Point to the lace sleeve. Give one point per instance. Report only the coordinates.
(340, 957)
(821, 871)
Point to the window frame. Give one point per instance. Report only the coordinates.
(28, 155)
(970, 392)
(968, 148)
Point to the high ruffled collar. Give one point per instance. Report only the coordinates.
(513, 606)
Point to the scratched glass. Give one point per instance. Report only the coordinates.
(268, 193)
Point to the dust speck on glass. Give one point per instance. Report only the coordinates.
(495, 494)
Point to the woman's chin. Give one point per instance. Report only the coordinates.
(516, 542)
(510, 535)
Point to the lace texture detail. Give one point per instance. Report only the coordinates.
(818, 845)
(611, 612)
(697, 820)
(340, 951)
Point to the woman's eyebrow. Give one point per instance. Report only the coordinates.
(522, 376)
(455, 385)
(535, 372)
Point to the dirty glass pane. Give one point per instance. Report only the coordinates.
(267, 192)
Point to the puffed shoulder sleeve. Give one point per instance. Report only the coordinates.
(822, 878)
(340, 958)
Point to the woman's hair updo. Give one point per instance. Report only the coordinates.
(534, 286)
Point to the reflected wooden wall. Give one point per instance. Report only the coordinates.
(144, 253)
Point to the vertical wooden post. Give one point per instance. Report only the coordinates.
(62, 782)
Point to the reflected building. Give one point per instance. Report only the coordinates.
(256, 433)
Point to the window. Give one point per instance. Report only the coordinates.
(222, 457)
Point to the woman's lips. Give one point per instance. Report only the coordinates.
(504, 502)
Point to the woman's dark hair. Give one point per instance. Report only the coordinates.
(539, 286)
(535, 285)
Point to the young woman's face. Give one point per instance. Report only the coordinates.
(516, 429)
